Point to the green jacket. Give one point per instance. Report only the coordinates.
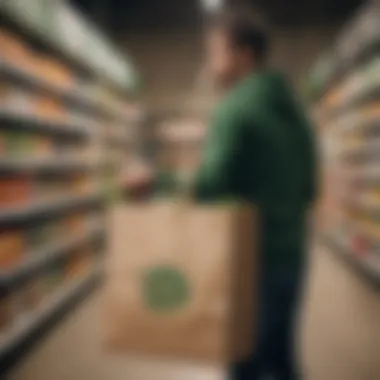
(261, 149)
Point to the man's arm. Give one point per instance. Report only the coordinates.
(217, 173)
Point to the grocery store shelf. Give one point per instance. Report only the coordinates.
(120, 143)
(365, 175)
(365, 95)
(365, 204)
(14, 216)
(357, 44)
(44, 258)
(43, 165)
(367, 127)
(367, 267)
(73, 95)
(84, 47)
(19, 120)
(30, 331)
(363, 54)
(355, 100)
(365, 152)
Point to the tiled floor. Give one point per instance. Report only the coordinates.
(340, 338)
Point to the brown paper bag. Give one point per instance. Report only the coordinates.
(181, 281)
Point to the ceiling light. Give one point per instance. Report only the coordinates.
(211, 5)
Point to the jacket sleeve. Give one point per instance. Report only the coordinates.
(216, 175)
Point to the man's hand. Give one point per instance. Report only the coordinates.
(138, 177)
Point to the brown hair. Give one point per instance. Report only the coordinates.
(246, 29)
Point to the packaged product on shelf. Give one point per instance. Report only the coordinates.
(6, 91)
(53, 189)
(87, 89)
(12, 309)
(351, 86)
(90, 153)
(79, 152)
(16, 99)
(53, 278)
(12, 48)
(64, 149)
(371, 76)
(334, 97)
(37, 237)
(370, 115)
(94, 220)
(33, 292)
(55, 72)
(47, 234)
(43, 147)
(75, 224)
(17, 144)
(2, 144)
(15, 191)
(6, 313)
(360, 245)
(78, 263)
(12, 248)
(373, 229)
(81, 184)
(49, 108)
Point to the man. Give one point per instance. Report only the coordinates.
(260, 149)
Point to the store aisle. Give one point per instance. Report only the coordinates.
(340, 338)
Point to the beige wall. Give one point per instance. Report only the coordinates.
(170, 63)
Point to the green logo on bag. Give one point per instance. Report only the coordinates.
(165, 289)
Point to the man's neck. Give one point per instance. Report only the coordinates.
(240, 76)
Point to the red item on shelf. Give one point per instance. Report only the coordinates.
(360, 246)
(12, 248)
(15, 191)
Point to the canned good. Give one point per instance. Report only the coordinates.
(17, 144)
(12, 248)
(33, 294)
(15, 191)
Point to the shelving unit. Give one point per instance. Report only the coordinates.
(66, 131)
(23, 337)
(346, 94)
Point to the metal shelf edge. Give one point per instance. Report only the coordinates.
(358, 267)
(44, 321)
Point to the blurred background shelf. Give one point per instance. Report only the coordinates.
(29, 122)
(35, 326)
(67, 106)
(43, 210)
(367, 266)
(64, 32)
(53, 165)
(13, 73)
(36, 262)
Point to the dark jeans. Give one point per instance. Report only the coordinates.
(274, 354)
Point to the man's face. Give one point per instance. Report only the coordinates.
(224, 60)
